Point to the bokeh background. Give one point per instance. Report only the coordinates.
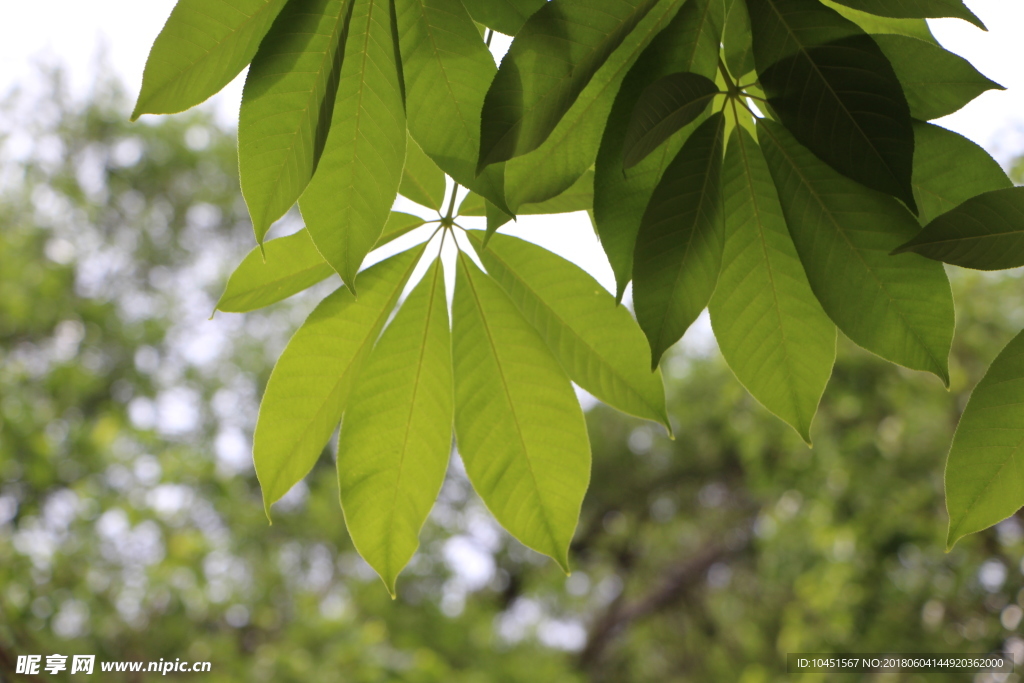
(131, 525)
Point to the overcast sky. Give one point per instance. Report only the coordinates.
(70, 32)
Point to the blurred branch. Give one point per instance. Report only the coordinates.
(676, 583)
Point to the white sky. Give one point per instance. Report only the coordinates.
(70, 32)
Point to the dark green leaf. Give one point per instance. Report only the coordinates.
(986, 232)
(679, 246)
(201, 48)
(422, 181)
(833, 87)
(598, 343)
(664, 107)
(949, 169)
(310, 385)
(689, 43)
(572, 146)
(287, 106)
(549, 63)
(519, 428)
(396, 437)
(348, 201)
(936, 82)
(504, 16)
(898, 307)
(770, 328)
(915, 9)
(737, 47)
(447, 71)
(985, 470)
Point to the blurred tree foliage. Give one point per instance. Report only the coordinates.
(131, 525)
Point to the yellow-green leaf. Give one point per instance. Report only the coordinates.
(311, 382)
(519, 427)
(396, 435)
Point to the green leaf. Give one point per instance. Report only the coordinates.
(287, 105)
(874, 24)
(832, 86)
(572, 146)
(292, 265)
(689, 43)
(504, 16)
(579, 197)
(899, 307)
(772, 331)
(549, 63)
(985, 232)
(985, 468)
(289, 265)
(447, 70)
(422, 181)
(349, 198)
(936, 82)
(200, 49)
(396, 436)
(597, 342)
(737, 47)
(495, 219)
(949, 169)
(679, 246)
(664, 107)
(916, 9)
(311, 382)
(519, 428)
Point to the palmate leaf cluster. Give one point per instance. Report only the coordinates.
(770, 160)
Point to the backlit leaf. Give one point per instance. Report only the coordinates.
(770, 328)
(572, 146)
(422, 181)
(551, 60)
(664, 107)
(833, 87)
(899, 307)
(579, 197)
(447, 70)
(949, 169)
(349, 199)
(986, 232)
(737, 47)
(289, 265)
(689, 43)
(679, 246)
(874, 24)
(598, 343)
(311, 382)
(936, 82)
(200, 49)
(504, 16)
(287, 105)
(985, 468)
(396, 437)
(292, 265)
(519, 427)
(916, 9)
